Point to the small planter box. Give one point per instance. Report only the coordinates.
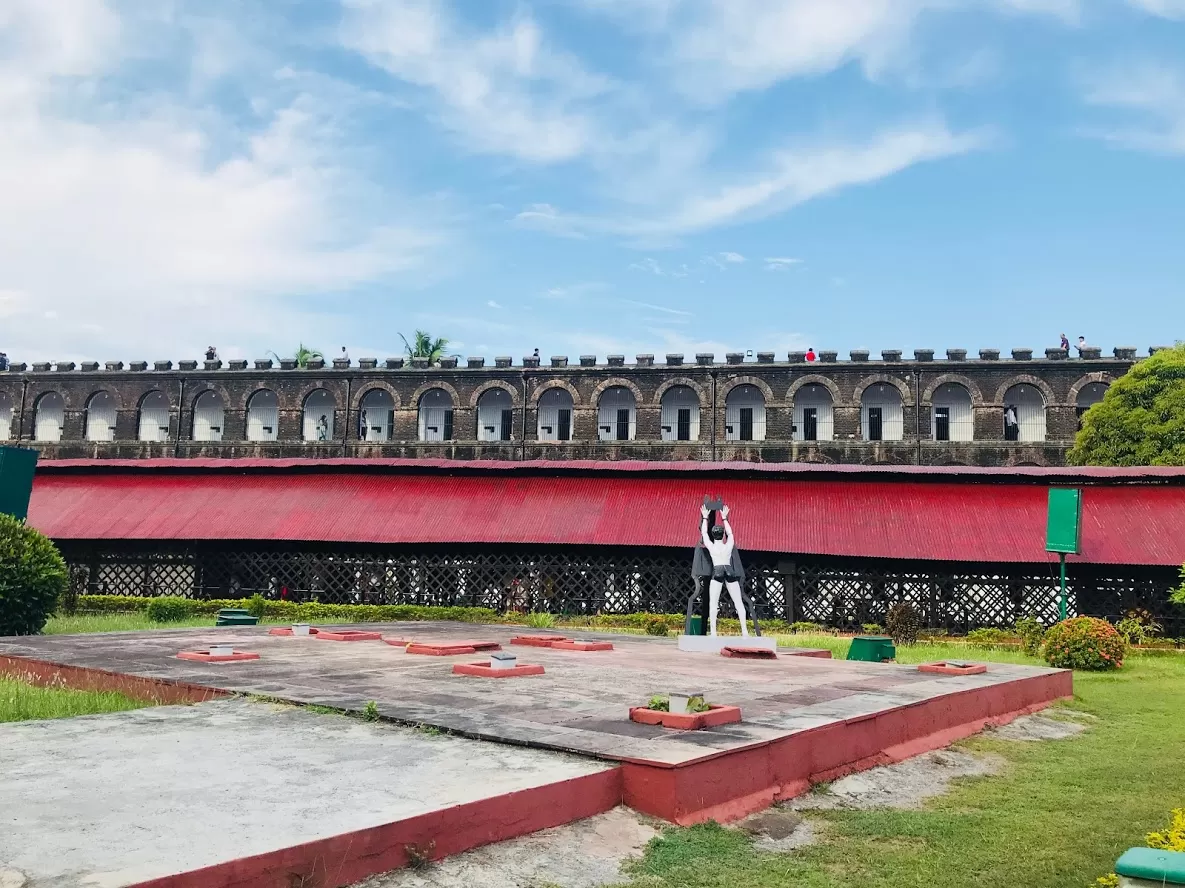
(950, 667)
(396, 642)
(451, 649)
(348, 635)
(542, 641)
(582, 645)
(214, 655)
(485, 670)
(714, 717)
(746, 653)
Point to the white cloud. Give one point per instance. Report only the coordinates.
(1151, 91)
(649, 265)
(545, 217)
(659, 308)
(493, 304)
(729, 256)
(780, 263)
(1170, 9)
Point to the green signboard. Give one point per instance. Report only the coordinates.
(1063, 532)
(16, 480)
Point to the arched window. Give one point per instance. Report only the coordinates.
(680, 414)
(318, 416)
(436, 415)
(376, 417)
(154, 417)
(100, 417)
(814, 414)
(208, 414)
(1088, 396)
(617, 415)
(263, 416)
(744, 414)
(495, 415)
(49, 417)
(953, 417)
(555, 415)
(1024, 413)
(5, 417)
(881, 415)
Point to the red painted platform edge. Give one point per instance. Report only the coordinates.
(485, 670)
(745, 653)
(537, 640)
(438, 650)
(349, 635)
(736, 783)
(202, 657)
(284, 630)
(692, 721)
(582, 646)
(396, 642)
(944, 669)
(45, 673)
(348, 858)
(821, 654)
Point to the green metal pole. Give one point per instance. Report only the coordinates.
(1061, 610)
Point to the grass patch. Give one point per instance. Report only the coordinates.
(1057, 818)
(22, 701)
(78, 624)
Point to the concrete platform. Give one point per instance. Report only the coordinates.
(239, 793)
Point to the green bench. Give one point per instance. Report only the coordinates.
(236, 616)
(1148, 867)
(872, 649)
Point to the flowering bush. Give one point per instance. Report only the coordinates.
(1172, 839)
(1084, 643)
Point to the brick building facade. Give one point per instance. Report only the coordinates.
(673, 410)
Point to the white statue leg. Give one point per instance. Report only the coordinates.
(713, 605)
(734, 590)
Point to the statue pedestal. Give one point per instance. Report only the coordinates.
(708, 644)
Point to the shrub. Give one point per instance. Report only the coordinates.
(1084, 643)
(168, 610)
(657, 626)
(540, 620)
(257, 606)
(288, 611)
(806, 626)
(33, 577)
(1031, 633)
(872, 628)
(902, 622)
(1138, 627)
(988, 636)
(932, 634)
(1178, 596)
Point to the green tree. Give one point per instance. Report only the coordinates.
(424, 346)
(303, 356)
(32, 578)
(1141, 419)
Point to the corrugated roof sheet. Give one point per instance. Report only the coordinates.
(850, 513)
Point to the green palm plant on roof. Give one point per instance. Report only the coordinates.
(303, 355)
(422, 345)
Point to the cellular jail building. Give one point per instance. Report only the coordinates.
(1016, 410)
(830, 544)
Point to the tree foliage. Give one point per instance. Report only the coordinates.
(303, 355)
(422, 345)
(1141, 419)
(32, 578)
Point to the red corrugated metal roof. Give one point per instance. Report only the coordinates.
(848, 514)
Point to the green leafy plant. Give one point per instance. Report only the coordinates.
(424, 346)
(1084, 643)
(168, 610)
(370, 712)
(1138, 627)
(303, 356)
(697, 704)
(657, 626)
(1031, 632)
(1178, 595)
(806, 626)
(257, 606)
(903, 622)
(989, 636)
(33, 577)
(932, 634)
(659, 703)
(79, 578)
(872, 628)
(540, 620)
(419, 856)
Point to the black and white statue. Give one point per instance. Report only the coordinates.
(718, 560)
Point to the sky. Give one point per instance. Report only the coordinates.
(588, 176)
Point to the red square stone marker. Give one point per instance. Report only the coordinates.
(348, 635)
(206, 657)
(744, 653)
(396, 642)
(284, 630)
(485, 670)
(582, 645)
(538, 640)
(692, 721)
(450, 648)
(945, 668)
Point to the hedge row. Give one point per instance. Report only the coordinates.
(288, 611)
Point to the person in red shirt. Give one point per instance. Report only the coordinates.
(810, 354)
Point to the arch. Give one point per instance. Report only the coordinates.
(738, 381)
(744, 412)
(1087, 396)
(615, 382)
(813, 412)
(882, 415)
(454, 398)
(219, 390)
(263, 415)
(376, 414)
(1025, 379)
(701, 396)
(317, 412)
(617, 413)
(554, 417)
(376, 386)
(814, 379)
(550, 385)
(101, 416)
(49, 416)
(878, 379)
(1085, 382)
(6, 415)
(679, 413)
(435, 409)
(478, 392)
(953, 412)
(966, 382)
(495, 414)
(209, 416)
(1024, 413)
(154, 417)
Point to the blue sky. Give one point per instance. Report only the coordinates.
(589, 176)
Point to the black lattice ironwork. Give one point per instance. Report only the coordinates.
(842, 593)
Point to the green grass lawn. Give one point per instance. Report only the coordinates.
(80, 623)
(21, 701)
(1058, 817)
